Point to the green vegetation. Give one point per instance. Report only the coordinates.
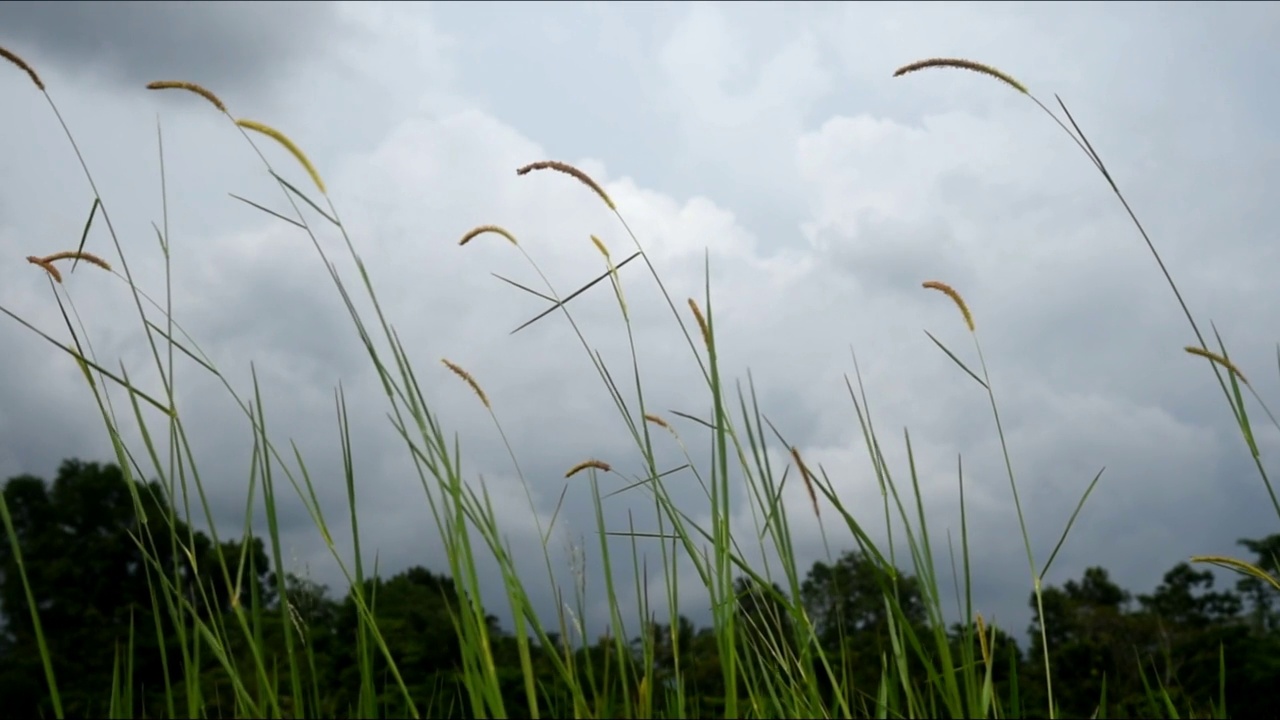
(116, 605)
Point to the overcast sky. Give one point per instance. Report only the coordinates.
(769, 138)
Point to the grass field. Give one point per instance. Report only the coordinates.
(770, 664)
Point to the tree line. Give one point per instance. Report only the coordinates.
(99, 585)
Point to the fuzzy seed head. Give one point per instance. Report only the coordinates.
(475, 386)
(600, 246)
(977, 67)
(73, 255)
(657, 420)
(702, 322)
(950, 292)
(479, 230)
(1218, 360)
(808, 481)
(596, 464)
(22, 65)
(572, 171)
(288, 144)
(189, 87)
(48, 267)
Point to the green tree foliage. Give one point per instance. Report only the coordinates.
(96, 546)
(93, 545)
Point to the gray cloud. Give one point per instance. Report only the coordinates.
(243, 46)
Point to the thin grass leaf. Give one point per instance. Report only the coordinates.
(956, 360)
(575, 294)
(529, 290)
(1065, 531)
(84, 235)
(305, 199)
(268, 211)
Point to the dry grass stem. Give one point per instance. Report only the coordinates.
(281, 138)
(470, 381)
(596, 464)
(963, 65)
(656, 420)
(475, 232)
(73, 255)
(22, 65)
(189, 87)
(568, 169)
(955, 297)
(702, 322)
(1219, 359)
(48, 267)
(808, 481)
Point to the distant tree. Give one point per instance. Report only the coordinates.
(846, 601)
(98, 550)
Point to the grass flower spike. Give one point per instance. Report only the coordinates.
(81, 255)
(596, 464)
(955, 297)
(48, 267)
(281, 138)
(189, 87)
(22, 65)
(961, 64)
(1219, 360)
(475, 232)
(457, 370)
(572, 171)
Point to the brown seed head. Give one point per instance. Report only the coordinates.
(457, 370)
(702, 322)
(73, 255)
(657, 420)
(597, 464)
(955, 297)
(475, 232)
(281, 138)
(570, 170)
(963, 65)
(48, 267)
(22, 65)
(808, 481)
(1218, 359)
(189, 87)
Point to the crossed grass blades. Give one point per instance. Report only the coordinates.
(776, 681)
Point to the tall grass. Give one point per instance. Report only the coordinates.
(770, 669)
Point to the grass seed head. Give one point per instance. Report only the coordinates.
(1218, 359)
(808, 481)
(73, 255)
(479, 230)
(600, 246)
(457, 370)
(281, 138)
(955, 297)
(189, 87)
(572, 171)
(596, 464)
(22, 65)
(963, 65)
(48, 267)
(702, 322)
(657, 420)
